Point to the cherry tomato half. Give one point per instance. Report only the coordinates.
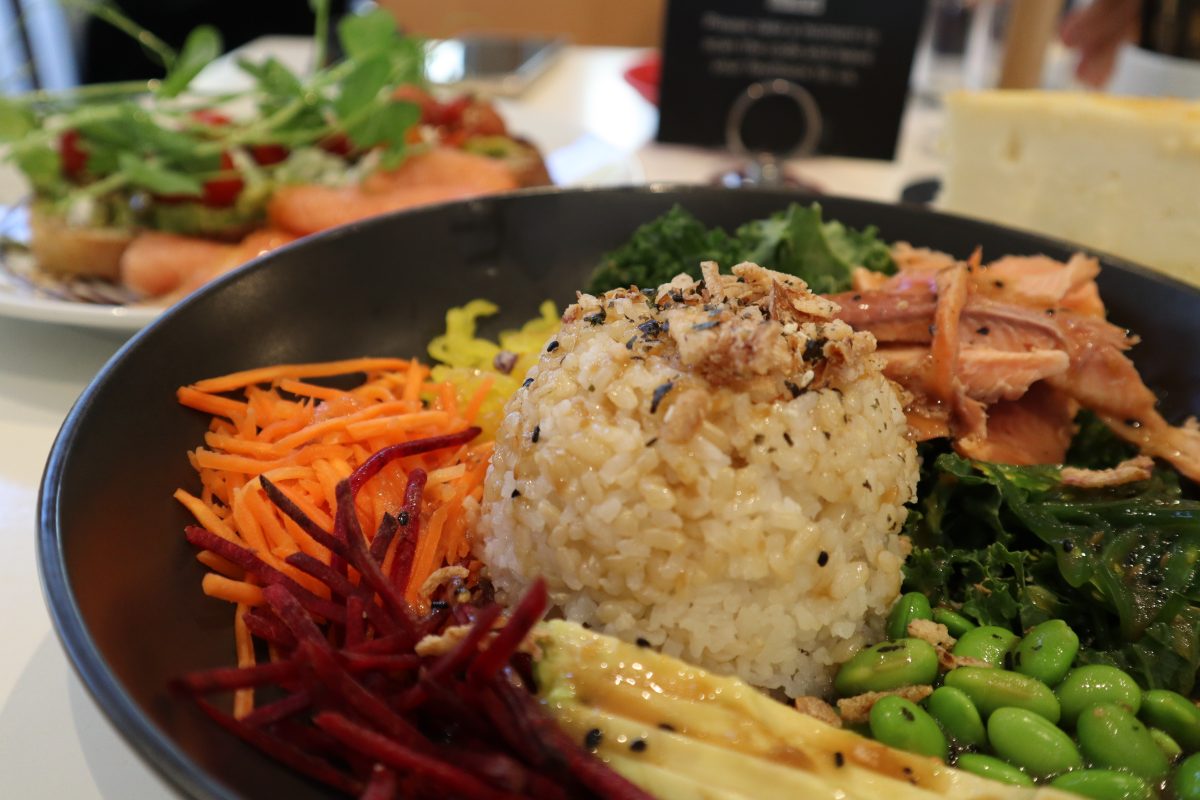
(74, 158)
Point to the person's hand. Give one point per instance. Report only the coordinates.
(1097, 32)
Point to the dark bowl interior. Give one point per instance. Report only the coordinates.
(121, 582)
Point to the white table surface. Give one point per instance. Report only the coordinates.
(54, 741)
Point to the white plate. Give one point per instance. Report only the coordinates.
(574, 157)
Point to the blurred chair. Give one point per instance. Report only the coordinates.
(632, 23)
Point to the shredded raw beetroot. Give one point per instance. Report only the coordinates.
(350, 704)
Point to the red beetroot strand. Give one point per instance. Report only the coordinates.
(286, 753)
(371, 467)
(453, 781)
(520, 622)
(293, 512)
(248, 560)
(382, 785)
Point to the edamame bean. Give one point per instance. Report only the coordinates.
(955, 622)
(888, 665)
(1169, 746)
(1103, 784)
(994, 768)
(1110, 736)
(910, 606)
(904, 725)
(1093, 684)
(988, 643)
(990, 689)
(1175, 714)
(1047, 652)
(1031, 742)
(1185, 783)
(957, 715)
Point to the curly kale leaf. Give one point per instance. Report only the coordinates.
(796, 241)
(1012, 546)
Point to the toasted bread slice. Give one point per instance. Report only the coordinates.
(67, 249)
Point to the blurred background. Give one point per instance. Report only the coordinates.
(1136, 48)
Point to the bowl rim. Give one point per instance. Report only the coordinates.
(158, 750)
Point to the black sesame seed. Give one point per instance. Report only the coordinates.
(793, 388)
(592, 739)
(1049, 312)
(550, 348)
(983, 331)
(1067, 545)
(537, 434)
(703, 326)
(867, 485)
(839, 760)
(642, 642)
(597, 318)
(933, 330)
(814, 349)
(637, 745)
(651, 328)
(526, 383)
(856, 297)
(516, 493)
(659, 394)
(822, 558)
(828, 435)
(759, 438)
(651, 442)
(998, 284)
(629, 344)
(666, 726)
(677, 296)
(787, 437)
(402, 518)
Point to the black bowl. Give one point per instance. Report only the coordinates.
(121, 582)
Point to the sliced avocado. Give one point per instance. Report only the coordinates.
(683, 733)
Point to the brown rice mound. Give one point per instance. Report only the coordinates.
(717, 468)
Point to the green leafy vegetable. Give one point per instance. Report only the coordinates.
(103, 143)
(154, 178)
(1012, 546)
(796, 241)
(199, 49)
(15, 120)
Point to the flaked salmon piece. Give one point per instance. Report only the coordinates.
(1084, 300)
(1131, 470)
(1101, 377)
(305, 209)
(1178, 445)
(444, 166)
(968, 417)
(1040, 280)
(157, 263)
(986, 374)
(984, 321)
(1036, 429)
(867, 280)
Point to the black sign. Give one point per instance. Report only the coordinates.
(851, 58)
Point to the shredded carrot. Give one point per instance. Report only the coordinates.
(223, 588)
(327, 369)
(306, 437)
(210, 404)
(218, 564)
(243, 699)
